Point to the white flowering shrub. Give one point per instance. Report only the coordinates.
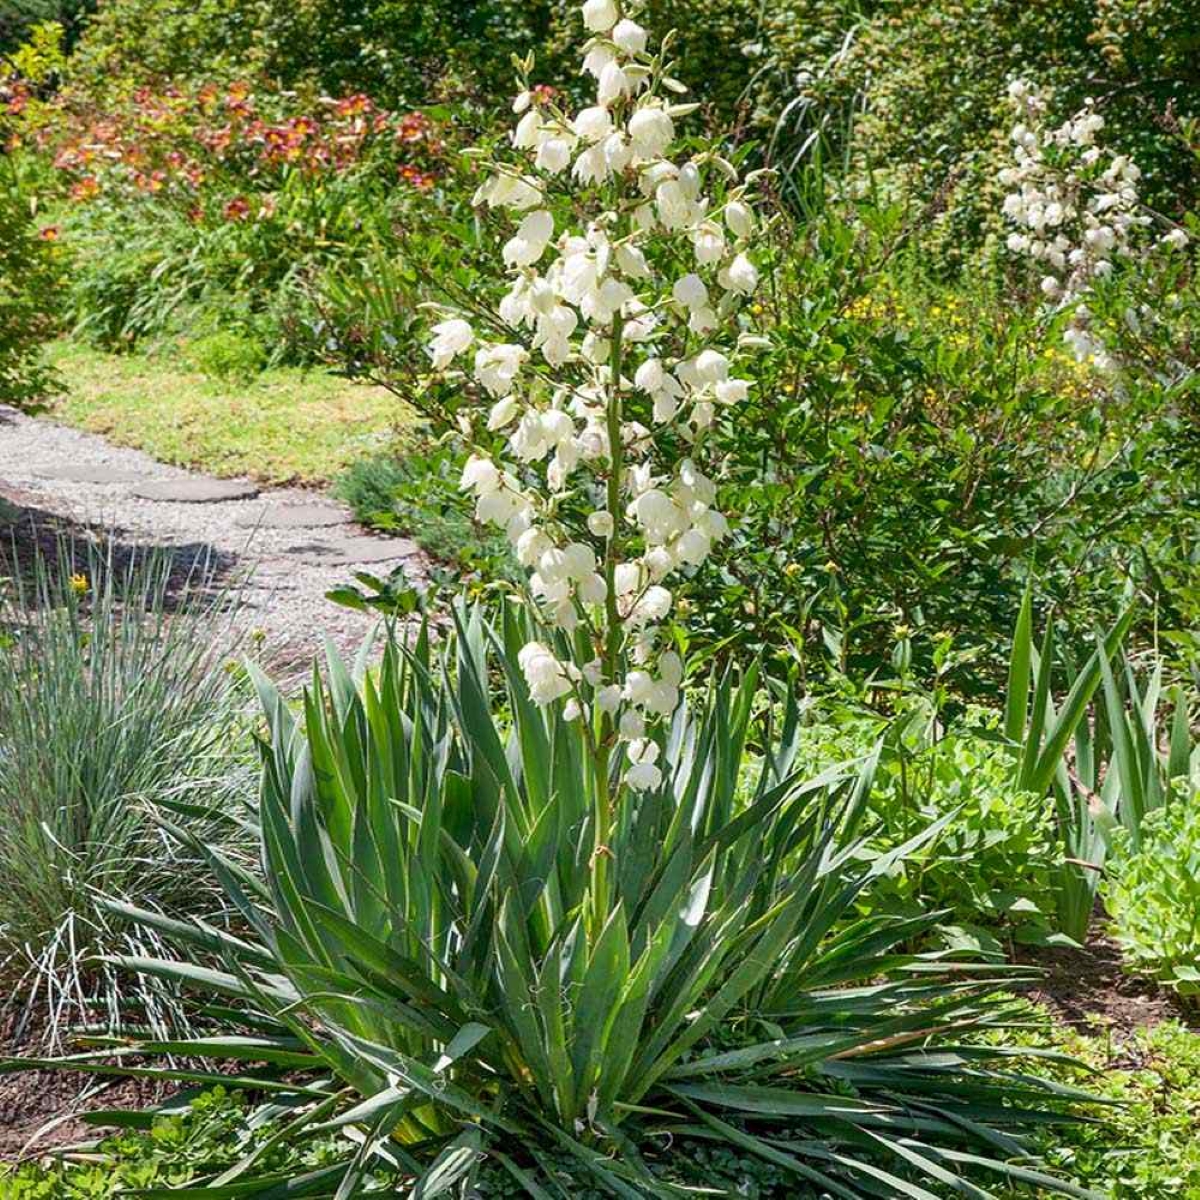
(1076, 210)
(619, 337)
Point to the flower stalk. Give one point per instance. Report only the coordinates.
(628, 273)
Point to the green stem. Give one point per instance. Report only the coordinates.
(606, 790)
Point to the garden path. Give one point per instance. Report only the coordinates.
(282, 549)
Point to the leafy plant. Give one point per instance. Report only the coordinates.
(418, 931)
(993, 867)
(1153, 894)
(28, 278)
(115, 695)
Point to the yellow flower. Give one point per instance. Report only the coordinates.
(792, 570)
(79, 584)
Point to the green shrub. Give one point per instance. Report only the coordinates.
(914, 455)
(906, 100)
(418, 495)
(992, 868)
(215, 207)
(1153, 895)
(28, 279)
(115, 695)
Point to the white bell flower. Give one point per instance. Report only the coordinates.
(630, 36)
(600, 15)
(525, 136)
(739, 218)
(690, 291)
(496, 367)
(546, 676)
(651, 131)
(502, 412)
(597, 58)
(600, 524)
(593, 124)
(740, 276)
(450, 339)
(531, 239)
(614, 83)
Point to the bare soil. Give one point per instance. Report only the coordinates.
(42, 1110)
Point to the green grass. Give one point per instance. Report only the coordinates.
(287, 425)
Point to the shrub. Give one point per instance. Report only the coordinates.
(28, 279)
(933, 124)
(212, 208)
(115, 695)
(915, 455)
(418, 495)
(19, 19)
(992, 867)
(1153, 895)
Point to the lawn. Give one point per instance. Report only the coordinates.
(286, 425)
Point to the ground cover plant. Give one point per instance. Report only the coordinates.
(115, 694)
(285, 425)
(27, 278)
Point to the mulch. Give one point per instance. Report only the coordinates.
(41, 1110)
(1089, 988)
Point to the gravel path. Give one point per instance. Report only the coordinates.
(285, 571)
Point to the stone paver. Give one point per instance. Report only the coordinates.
(195, 491)
(90, 473)
(281, 571)
(347, 551)
(294, 516)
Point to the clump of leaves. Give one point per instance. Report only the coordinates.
(1153, 895)
(1144, 1146)
(415, 944)
(116, 695)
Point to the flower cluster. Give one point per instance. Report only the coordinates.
(1076, 209)
(185, 143)
(606, 362)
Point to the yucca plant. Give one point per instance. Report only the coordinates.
(1111, 753)
(115, 694)
(1142, 754)
(418, 944)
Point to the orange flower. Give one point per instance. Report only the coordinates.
(49, 233)
(238, 209)
(86, 189)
